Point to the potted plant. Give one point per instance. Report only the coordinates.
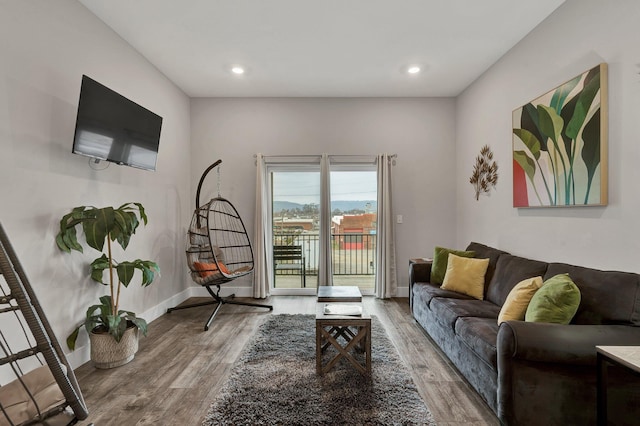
(113, 333)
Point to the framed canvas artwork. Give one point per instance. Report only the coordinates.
(560, 145)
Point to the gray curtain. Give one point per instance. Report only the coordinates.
(325, 273)
(261, 241)
(386, 276)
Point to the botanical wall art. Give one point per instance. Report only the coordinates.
(560, 145)
(485, 172)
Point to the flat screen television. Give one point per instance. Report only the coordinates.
(113, 128)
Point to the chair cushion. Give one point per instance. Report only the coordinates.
(206, 269)
(17, 401)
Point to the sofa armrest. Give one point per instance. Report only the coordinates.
(558, 343)
(419, 272)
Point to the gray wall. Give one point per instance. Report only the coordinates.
(578, 36)
(419, 131)
(46, 48)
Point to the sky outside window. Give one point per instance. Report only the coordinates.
(304, 187)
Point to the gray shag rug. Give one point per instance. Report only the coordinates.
(275, 383)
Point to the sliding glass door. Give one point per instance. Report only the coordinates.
(296, 205)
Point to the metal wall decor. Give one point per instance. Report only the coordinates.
(485, 172)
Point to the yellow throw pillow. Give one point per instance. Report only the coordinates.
(465, 275)
(515, 306)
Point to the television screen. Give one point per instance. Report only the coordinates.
(113, 128)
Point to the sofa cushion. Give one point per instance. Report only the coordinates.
(510, 270)
(440, 260)
(515, 307)
(447, 311)
(556, 302)
(485, 252)
(425, 292)
(465, 275)
(607, 297)
(480, 335)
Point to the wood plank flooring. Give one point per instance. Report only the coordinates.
(180, 368)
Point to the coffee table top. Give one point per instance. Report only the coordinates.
(321, 315)
(339, 294)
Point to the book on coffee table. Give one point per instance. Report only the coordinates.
(342, 309)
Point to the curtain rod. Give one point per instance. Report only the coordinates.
(320, 155)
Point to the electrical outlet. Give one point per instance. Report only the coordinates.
(399, 219)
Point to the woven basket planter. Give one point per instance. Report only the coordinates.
(107, 353)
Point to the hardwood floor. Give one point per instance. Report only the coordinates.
(180, 368)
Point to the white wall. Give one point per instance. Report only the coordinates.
(46, 47)
(420, 131)
(578, 36)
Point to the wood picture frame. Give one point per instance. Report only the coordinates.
(560, 145)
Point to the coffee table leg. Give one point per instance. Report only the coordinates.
(318, 349)
(368, 348)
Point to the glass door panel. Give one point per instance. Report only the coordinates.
(295, 199)
(353, 227)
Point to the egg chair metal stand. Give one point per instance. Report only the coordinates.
(218, 250)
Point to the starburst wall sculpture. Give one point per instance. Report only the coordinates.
(485, 172)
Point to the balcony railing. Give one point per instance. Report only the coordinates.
(351, 253)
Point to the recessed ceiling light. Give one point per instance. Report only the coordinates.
(237, 70)
(413, 69)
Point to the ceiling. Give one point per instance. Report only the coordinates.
(322, 48)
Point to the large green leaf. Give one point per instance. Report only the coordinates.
(551, 122)
(97, 268)
(139, 322)
(529, 121)
(585, 99)
(143, 214)
(591, 149)
(530, 141)
(125, 272)
(72, 338)
(96, 230)
(561, 93)
(526, 162)
(566, 114)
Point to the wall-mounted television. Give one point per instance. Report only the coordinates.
(113, 128)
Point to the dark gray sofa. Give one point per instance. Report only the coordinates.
(535, 373)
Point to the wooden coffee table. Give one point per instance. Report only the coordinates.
(345, 333)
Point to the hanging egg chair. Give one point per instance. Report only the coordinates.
(218, 249)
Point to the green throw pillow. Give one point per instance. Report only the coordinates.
(556, 302)
(440, 258)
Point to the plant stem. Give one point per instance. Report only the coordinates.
(114, 307)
